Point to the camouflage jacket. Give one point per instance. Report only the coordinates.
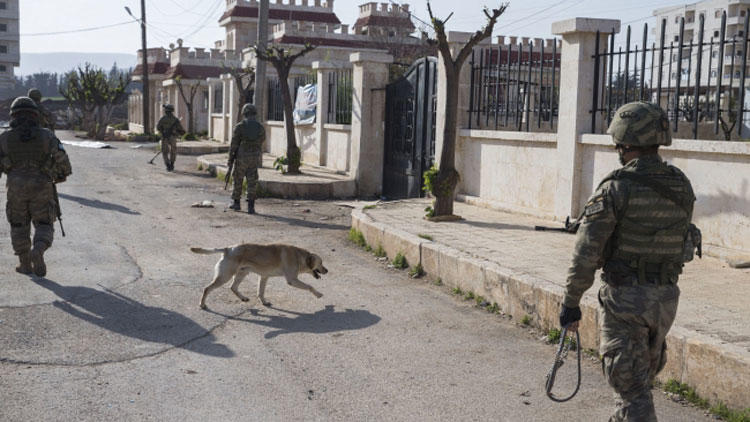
(607, 211)
(247, 138)
(169, 126)
(46, 118)
(43, 154)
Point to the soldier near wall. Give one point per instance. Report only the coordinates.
(46, 118)
(169, 128)
(34, 160)
(636, 226)
(246, 154)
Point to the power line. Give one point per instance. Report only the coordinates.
(545, 17)
(74, 31)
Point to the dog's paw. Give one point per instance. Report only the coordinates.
(265, 303)
(203, 306)
(317, 294)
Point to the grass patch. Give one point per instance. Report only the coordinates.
(380, 252)
(526, 320)
(416, 271)
(481, 301)
(200, 167)
(438, 282)
(399, 261)
(493, 309)
(368, 248)
(686, 392)
(425, 236)
(469, 296)
(356, 237)
(720, 409)
(553, 336)
(429, 212)
(369, 207)
(457, 291)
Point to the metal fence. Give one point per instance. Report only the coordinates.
(515, 87)
(698, 80)
(276, 100)
(340, 97)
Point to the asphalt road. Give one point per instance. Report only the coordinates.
(115, 333)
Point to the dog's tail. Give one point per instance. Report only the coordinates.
(203, 251)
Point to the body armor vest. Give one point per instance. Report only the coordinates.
(250, 137)
(651, 229)
(33, 153)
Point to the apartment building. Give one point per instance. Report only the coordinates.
(10, 54)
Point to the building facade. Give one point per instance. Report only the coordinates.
(10, 52)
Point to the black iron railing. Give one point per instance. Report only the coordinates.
(340, 97)
(515, 87)
(699, 81)
(275, 100)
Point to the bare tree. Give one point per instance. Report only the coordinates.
(446, 179)
(189, 100)
(282, 60)
(244, 78)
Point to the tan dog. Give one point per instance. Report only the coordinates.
(266, 261)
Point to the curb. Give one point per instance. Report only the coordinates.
(718, 372)
(340, 189)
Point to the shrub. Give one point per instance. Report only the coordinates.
(399, 261)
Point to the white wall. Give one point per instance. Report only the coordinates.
(339, 146)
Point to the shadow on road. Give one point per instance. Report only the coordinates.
(122, 315)
(324, 321)
(304, 223)
(95, 203)
(498, 226)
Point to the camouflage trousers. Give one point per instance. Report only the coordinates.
(169, 150)
(246, 167)
(634, 321)
(30, 200)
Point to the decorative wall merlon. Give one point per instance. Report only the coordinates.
(585, 25)
(372, 57)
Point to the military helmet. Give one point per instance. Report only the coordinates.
(249, 110)
(23, 104)
(168, 108)
(35, 94)
(640, 124)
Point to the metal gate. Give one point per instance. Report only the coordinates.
(410, 130)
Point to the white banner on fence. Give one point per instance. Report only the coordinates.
(304, 107)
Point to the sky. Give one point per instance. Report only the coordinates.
(196, 21)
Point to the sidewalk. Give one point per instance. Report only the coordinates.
(313, 183)
(499, 256)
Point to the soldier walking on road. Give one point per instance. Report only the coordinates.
(637, 226)
(246, 154)
(34, 160)
(169, 127)
(46, 119)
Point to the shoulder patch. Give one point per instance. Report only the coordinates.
(594, 206)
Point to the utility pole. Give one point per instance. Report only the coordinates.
(146, 97)
(260, 65)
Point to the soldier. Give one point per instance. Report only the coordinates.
(246, 154)
(34, 159)
(634, 225)
(169, 126)
(46, 118)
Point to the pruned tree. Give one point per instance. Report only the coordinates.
(187, 93)
(96, 94)
(446, 178)
(244, 78)
(282, 60)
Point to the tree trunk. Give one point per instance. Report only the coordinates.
(293, 153)
(191, 124)
(447, 177)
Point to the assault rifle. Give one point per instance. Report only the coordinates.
(570, 227)
(229, 173)
(57, 208)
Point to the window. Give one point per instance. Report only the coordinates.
(739, 53)
(3, 68)
(717, 13)
(673, 75)
(677, 19)
(3, 5)
(676, 38)
(742, 13)
(205, 100)
(3, 27)
(713, 73)
(218, 99)
(674, 56)
(716, 33)
(741, 34)
(3, 49)
(714, 54)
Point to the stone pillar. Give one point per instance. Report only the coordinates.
(576, 101)
(226, 117)
(369, 79)
(321, 108)
(211, 82)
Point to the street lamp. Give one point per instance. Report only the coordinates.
(144, 65)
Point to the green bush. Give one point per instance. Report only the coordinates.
(379, 251)
(357, 237)
(416, 271)
(280, 164)
(399, 261)
(189, 137)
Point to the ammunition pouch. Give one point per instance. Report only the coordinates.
(641, 271)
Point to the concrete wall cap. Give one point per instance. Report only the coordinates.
(585, 25)
(373, 57)
(323, 65)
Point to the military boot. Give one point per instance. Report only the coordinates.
(251, 206)
(24, 266)
(37, 259)
(235, 205)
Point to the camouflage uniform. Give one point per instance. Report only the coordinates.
(169, 127)
(34, 159)
(46, 118)
(247, 154)
(637, 234)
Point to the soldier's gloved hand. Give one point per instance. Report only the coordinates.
(569, 315)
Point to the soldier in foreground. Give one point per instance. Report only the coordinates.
(635, 226)
(46, 119)
(246, 155)
(169, 128)
(34, 160)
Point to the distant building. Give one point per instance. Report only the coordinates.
(10, 54)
